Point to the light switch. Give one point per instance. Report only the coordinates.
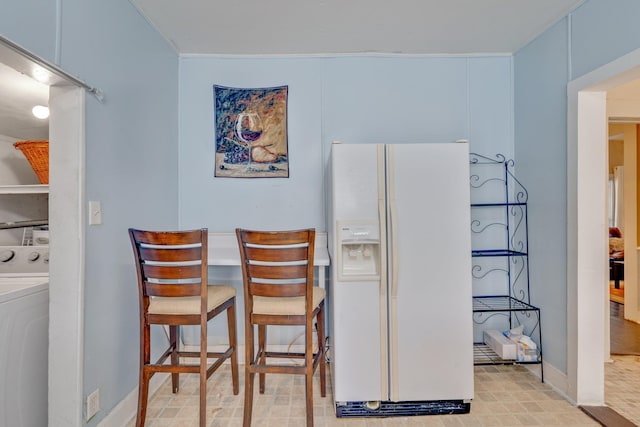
(95, 213)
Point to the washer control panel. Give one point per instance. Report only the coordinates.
(24, 259)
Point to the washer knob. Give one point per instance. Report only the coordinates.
(7, 255)
(45, 257)
(33, 256)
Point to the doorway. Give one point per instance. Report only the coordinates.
(66, 221)
(587, 299)
(623, 230)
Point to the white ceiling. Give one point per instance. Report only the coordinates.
(313, 27)
(18, 95)
(352, 26)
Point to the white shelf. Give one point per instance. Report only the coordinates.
(24, 189)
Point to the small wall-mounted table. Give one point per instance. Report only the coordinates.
(223, 251)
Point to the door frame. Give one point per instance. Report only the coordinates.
(587, 246)
(67, 215)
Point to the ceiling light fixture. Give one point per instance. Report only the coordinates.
(40, 74)
(40, 112)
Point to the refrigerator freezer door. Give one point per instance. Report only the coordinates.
(358, 306)
(431, 356)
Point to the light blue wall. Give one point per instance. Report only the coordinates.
(419, 99)
(593, 35)
(601, 31)
(222, 204)
(376, 99)
(541, 162)
(396, 100)
(131, 161)
(32, 24)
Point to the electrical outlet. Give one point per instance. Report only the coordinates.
(93, 404)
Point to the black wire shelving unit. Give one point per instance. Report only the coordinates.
(500, 268)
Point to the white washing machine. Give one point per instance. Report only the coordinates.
(24, 335)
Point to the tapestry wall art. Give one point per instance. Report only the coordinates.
(251, 132)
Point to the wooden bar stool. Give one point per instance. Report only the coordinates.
(173, 290)
(277, 269)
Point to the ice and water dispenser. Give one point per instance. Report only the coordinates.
(358, 250)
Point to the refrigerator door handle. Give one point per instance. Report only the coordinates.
(394, 248)
(392, 256)
(383, 259)
(393, 220)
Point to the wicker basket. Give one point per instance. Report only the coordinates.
(37, 153)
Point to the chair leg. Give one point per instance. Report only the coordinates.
(262, 351)
(321, 349)
(203, 395)
(308, 380)
(203, 375)
(143, 395)
(174, 337)
(308, 376)
(143, 382)
(248, 397)
(233, 343)
(249, 376)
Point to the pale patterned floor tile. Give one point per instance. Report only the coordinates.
(169, 412)
(470, 420)
(551, 406)
(622, 380)
(550, 419)
(451, 421)
(426, 421)
(527, 420)
(487, 420)
(533, 408)
(502, 396)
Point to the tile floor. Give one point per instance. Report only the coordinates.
(504, 396)
(621, 384)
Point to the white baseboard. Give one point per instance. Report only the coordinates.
(553, 377)
(127, 409)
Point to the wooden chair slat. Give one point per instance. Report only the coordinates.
(173, 272)
(280, 290)
(173, 289)
(284, 272)
(280, 254)
(167, 237)
(171, 255)
(275, 237)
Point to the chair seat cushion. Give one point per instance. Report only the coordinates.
(286, 305)
(217, 294)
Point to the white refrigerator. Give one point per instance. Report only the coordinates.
(400, 301)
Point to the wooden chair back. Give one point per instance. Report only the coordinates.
(277, 263)
(171, 263)
(277, 270)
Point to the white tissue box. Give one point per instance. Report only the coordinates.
(503, 346)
